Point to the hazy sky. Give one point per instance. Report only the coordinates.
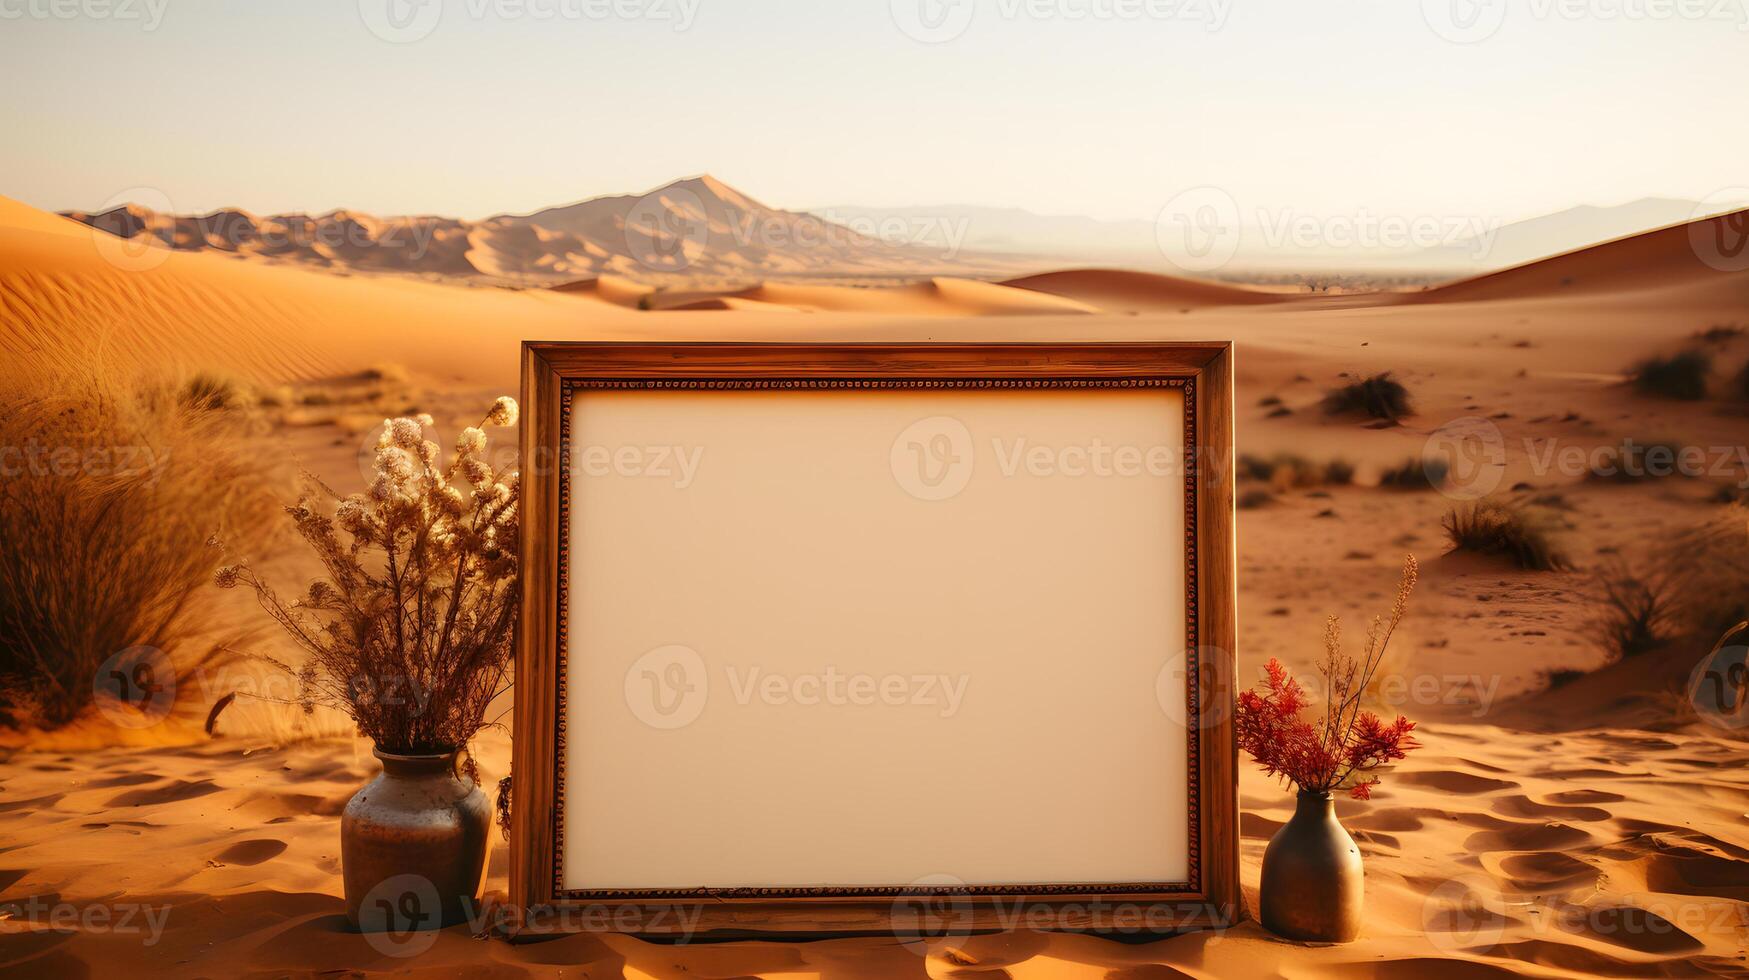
(1102, 107)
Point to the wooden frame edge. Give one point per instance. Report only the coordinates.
(1218, 903)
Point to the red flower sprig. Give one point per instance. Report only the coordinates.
(1343, 749)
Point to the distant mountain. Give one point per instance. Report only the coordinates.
(694, 229)
(1564, 231)
(702, 231)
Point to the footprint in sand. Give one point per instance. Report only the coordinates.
(1519, 805)
(1548, 871)
(1452, 781)
(177, 791)
(251, 852)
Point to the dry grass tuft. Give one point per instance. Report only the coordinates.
(1379, 396)
(1285, 471)
(1416, 473)
(1255, 498)
(112, 492)
(1492, 528)
(1708, 563)
(1723, 333)
(1632, 462)
(208, 391)
(1637, 609)
(1682, 376)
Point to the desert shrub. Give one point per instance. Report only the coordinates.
(1492, 528)
(211, 392)
(1741, 385)
(112, 492)
(392, 373)
(1255, 498)
(1707, 563)
(1635, 609)
(1556, 679)
(1632, 462)
(1682, 376)
(1416, 473)
(1723, 333)
(1286, 471)
(1379, 396)
(409, 630)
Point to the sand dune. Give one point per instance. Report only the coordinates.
(1121, 291)
(1710, 255)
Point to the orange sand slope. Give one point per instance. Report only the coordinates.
(1488, 855)
(69, 291)
(1121, 291)
(1710, 253)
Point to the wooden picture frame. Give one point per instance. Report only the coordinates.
(1208, 896)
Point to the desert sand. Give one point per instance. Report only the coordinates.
(1592, 829)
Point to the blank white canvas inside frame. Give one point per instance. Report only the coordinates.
(875, 637)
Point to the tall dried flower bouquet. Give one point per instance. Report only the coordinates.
(409, 631)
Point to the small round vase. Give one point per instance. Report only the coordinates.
(413, 845)
(1314, 885)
